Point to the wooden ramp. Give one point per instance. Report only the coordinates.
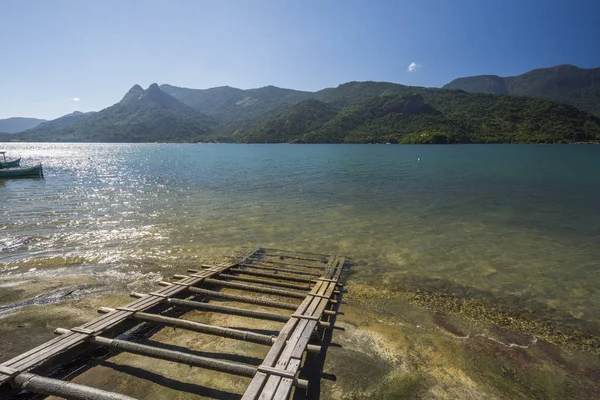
(312, 278)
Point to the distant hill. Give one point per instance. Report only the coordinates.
(18, 124)
(141, 116)
(65, 120)
(354, 112)
(236, 108)
(379, 112)
(562, 83)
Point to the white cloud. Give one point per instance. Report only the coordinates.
(413, 66)
(75, 99)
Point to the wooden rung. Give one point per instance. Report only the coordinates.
(265, 250)
(229, 310)
(67, 390)
(276, 270)
(180, 284)
(128, 309)
(8, 370)
(323, 296)
(272, 275)
(256, 289)
(286, 264)
(266, 282)
(311, 317)
(243, 299)
(328, 280)
(216, 268)
(158, 294)
(276, 371)
(176, 356)
(82, 330)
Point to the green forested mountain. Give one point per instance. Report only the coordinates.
(372, 112)
(65, 120)
(18, 124)
(290, 124)
(562, 83)
(141, 116)
(236, 108)
(354, 112)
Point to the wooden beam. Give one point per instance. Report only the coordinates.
(228, 333)
(277, 269)
(250, 288)
(179, 357)
(290, 278)
(67, 390)
(264, 282)
(242, 299)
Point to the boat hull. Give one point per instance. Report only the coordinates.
(10, 164)
(30, 172)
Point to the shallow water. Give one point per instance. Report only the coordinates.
(521, 220)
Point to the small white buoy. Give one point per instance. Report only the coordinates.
(419, 159)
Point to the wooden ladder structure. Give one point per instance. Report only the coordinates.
(313, 278)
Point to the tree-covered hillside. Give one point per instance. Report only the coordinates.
(141, 116)
(354, 112)
(562, 83)
(236, 108)
(368, 112)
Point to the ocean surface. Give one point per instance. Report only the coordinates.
(518, 220)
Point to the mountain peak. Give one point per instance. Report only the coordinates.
(133, 94)
(153, 93)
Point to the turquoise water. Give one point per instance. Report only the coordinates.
(521, 220)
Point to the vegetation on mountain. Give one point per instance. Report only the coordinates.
(354, 112)
(141, 116)
(291, 124)
(401, 114)
(18, 124)
(562, 83)
(236, 108)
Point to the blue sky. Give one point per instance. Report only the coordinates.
(60, 56)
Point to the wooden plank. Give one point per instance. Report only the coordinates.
(260, 378)
(270, 386)
(267, 282)
(274, 380)
(244, 299)
(280, 344)
(276, 371)
(271, 249)
(285, 386)
(292, 265)
(300, 333)
(282, 277)
(255, 386)
(284, 270)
